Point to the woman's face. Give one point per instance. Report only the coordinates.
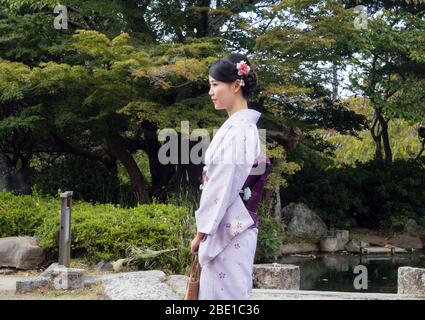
(222, 94)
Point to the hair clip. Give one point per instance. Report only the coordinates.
(243, 68)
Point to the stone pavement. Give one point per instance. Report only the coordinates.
(155, 285)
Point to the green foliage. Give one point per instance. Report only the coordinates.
(348, 149)
(103, 231)
(270, 237)
(372, 194)
(89, 180)
(21, 215)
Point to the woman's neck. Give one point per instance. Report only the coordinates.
(239, 105)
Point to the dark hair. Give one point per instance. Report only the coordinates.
(224, 69)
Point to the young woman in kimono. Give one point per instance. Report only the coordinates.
(227, 231)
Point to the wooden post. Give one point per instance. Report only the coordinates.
(65, 229)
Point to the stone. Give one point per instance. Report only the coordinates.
(273, 294)
(412, 228)
(329, 244)
(378, 250)
(178, 284)
(67, 278)
(21, 253)
(276, 276)
(354, 246)
(342, 237)
(301, 221)
(300, 247)
(104, 266)
(406, 241)
(48, 272)
(118, 266)
(31, 284)
(335, 241)
(411, 281)
(138, 285)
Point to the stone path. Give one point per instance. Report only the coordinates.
(155, 285)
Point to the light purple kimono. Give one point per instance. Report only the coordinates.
(226, 254)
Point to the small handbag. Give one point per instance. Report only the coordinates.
(192, 288)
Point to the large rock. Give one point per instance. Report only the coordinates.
(411, 281)
(406, 241)
(300, 247)
(21, 253)
(139, 285)
(412, 228)
(104, 266)
(354, 246)
(301, 221)
(276, 276)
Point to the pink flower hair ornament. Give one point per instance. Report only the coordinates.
(243, 69)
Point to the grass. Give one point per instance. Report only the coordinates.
(94, 292)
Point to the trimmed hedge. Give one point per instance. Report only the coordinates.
(21, 215)
(103, 231)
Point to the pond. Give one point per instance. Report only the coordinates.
(335, 272)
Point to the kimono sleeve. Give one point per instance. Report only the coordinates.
(229, 167)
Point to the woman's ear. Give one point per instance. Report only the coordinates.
(236, 85)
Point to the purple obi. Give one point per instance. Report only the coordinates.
(255, 182)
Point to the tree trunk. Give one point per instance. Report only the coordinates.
(386, 139)
(376, 133)
(334, 82)
(421, 150)
(162, 175)
(202, 29)
(116, 146)
(380, 136)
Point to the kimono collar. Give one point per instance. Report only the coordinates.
(249, 116)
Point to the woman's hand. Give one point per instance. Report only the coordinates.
(194, 246)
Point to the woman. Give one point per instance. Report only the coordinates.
(227, 223)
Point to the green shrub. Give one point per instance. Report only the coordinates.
(103, 231)
(270, 237)
(21, 215)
